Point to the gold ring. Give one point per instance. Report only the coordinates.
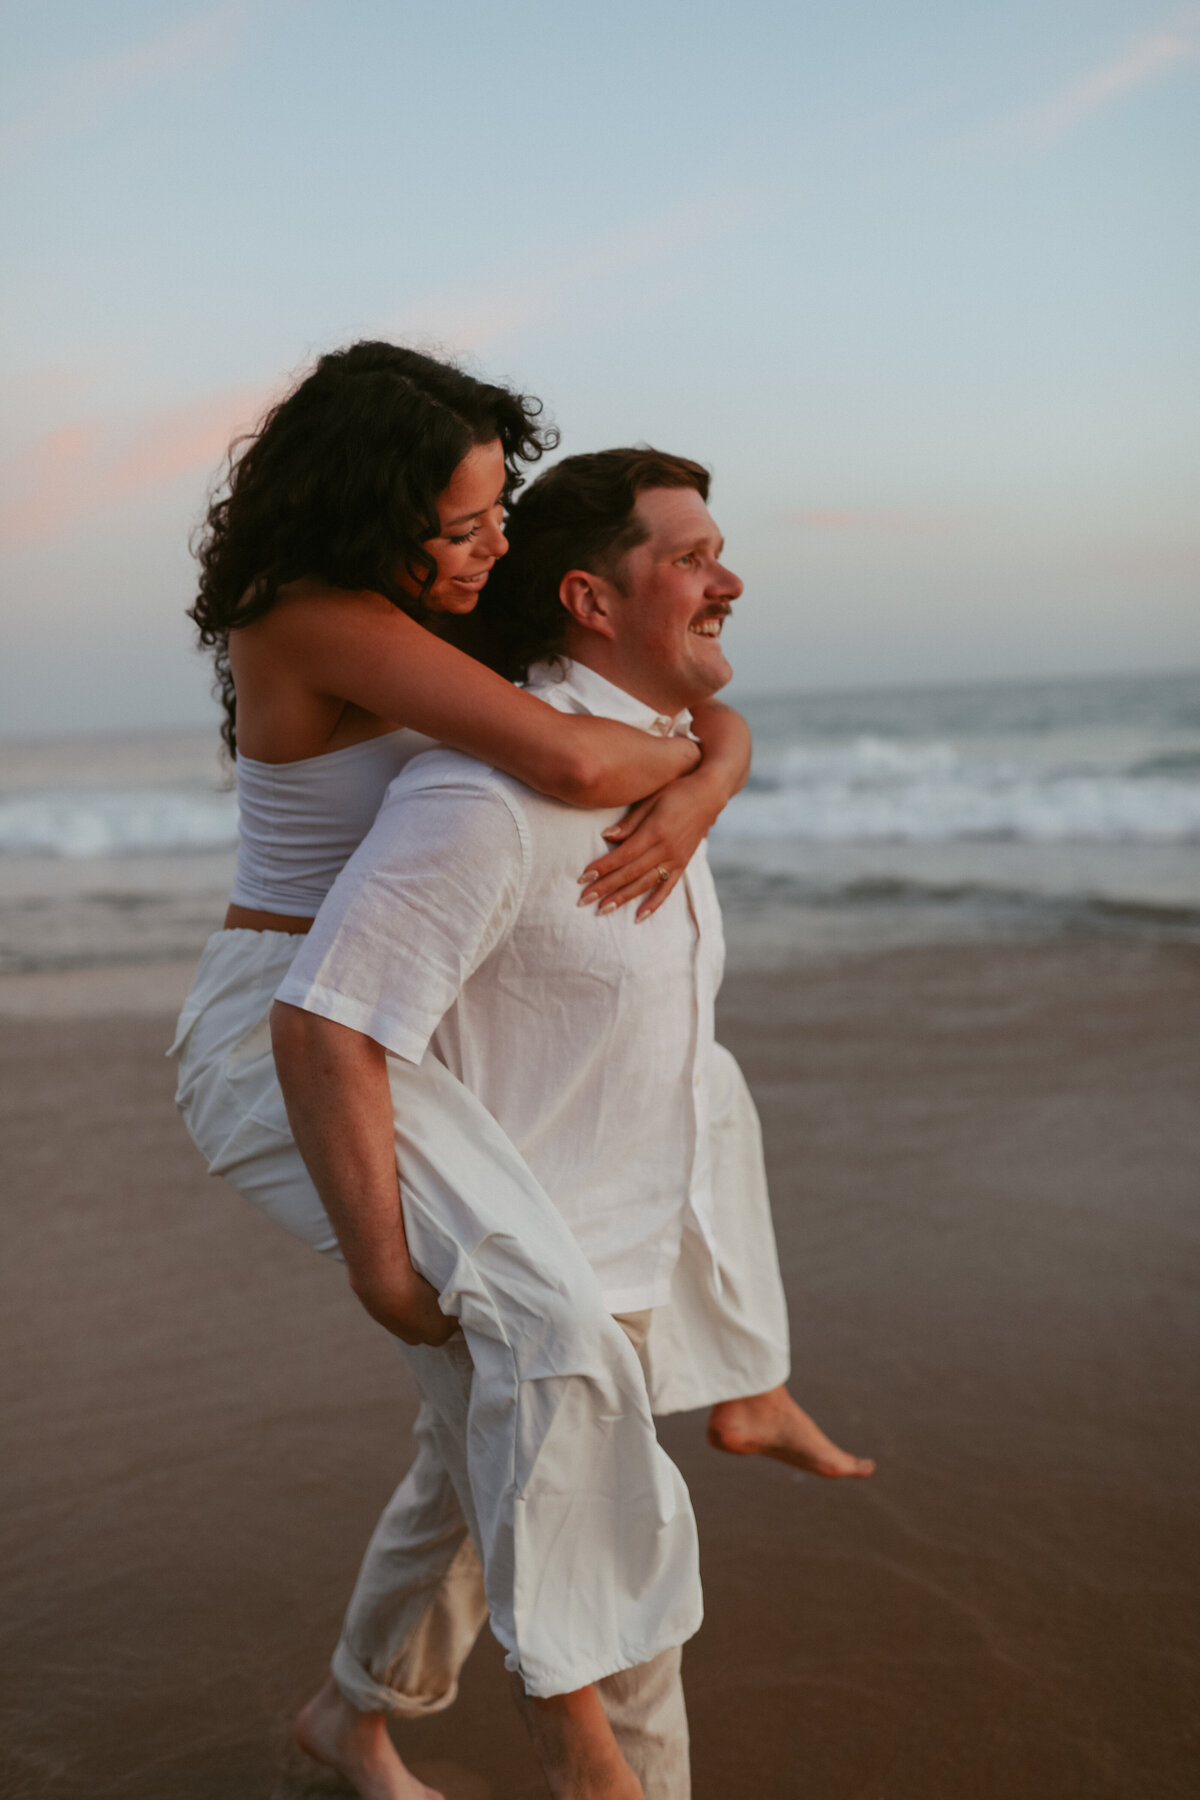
(664, 874)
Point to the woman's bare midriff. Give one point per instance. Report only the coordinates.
(245, 918)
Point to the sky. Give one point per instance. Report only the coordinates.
(919, 280)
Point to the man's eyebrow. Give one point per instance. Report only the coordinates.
(682, 547)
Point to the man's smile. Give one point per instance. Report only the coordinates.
(709, 623)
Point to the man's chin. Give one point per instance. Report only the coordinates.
(713, 671)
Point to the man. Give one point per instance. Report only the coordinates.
(588, 1041)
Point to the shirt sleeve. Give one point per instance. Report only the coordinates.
(430, 892)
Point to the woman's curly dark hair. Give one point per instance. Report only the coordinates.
(340, 482)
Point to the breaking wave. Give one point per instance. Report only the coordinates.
(874, 789)
(116, 823)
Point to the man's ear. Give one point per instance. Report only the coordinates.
(588, 599)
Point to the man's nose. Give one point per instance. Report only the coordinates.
(725, 583)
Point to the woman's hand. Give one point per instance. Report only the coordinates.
(663, 832)
(658, 837)
(405, 1304)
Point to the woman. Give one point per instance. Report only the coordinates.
(365, 513)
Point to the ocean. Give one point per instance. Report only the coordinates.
(872, 820)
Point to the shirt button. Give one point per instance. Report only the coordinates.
(663, 726)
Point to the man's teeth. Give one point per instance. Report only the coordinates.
(707, 627)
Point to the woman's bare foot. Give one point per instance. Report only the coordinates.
(773, 1425)
(357, 1745)
(575, 1745)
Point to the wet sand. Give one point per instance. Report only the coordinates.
(985, 1162)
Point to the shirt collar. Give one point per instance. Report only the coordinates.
(588, 692)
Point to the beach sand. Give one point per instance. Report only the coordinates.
(985, 1168)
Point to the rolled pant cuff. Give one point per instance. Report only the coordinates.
(366, 1694)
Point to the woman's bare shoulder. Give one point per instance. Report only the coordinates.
(312, 623)
(323, 668)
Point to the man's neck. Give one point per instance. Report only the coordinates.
(593, 654)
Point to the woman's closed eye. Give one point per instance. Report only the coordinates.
(465, 537)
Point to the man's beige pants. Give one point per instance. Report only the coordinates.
(418, 1605)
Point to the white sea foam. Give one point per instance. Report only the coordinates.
(872, 789)
(116, 822)
(869, 789)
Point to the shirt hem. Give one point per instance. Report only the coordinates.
(287, 906)
(400, 1039)
(545, 1686)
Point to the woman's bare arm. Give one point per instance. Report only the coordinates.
(727, 744)
(359, 648)
(664, 831)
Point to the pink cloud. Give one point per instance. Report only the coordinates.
(1145, 59)
(85, 468)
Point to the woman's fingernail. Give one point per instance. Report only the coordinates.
(585, 899)
(640, 918)
(612, 832)
(610, 906)
(588, 875)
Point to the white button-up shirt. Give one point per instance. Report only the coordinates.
(455, 927)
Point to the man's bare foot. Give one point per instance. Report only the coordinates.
(575, 1745)
(357, 1745)
(773, 1425)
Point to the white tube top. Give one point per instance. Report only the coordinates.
(301, 821)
